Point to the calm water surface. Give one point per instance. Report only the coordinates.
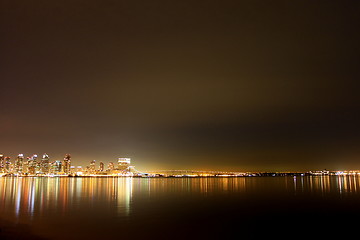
(177, 208)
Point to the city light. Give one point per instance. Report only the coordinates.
(34, 166)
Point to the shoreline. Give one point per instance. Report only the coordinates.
(263, 174)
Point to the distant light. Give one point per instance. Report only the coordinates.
(124, 160)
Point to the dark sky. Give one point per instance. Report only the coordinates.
(228, 85)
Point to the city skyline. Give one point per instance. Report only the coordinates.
(33, 165)
(45, 166)
(14, 157)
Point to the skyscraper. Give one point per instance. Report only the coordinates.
(44, 166)
(32, 164)
(2, 163)
(19, 163)
(101, 166)
(66, 164)
(7, 164)
(26, 165)
(92, 166)
(56, 167)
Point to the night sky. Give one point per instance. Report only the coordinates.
(222, 85)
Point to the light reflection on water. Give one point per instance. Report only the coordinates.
(46, 202)
(29, 195)
(340, 185)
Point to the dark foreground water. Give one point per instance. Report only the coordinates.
(179, 208)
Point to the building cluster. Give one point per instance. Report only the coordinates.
(35, 166)
(121, 168)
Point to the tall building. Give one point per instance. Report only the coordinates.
(56, 167)
(66, 164)
(19, 161)
(101, 166)
(45, 164)
(2, 162)
(7, 164)
(26, 165)
(92, 166)
(37, 165)
(32, 164)
(123, 163)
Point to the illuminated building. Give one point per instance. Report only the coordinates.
(44, 166)
(19, 163)
(2, 163)
(111, 166)
(79, 170)
(123, 163)
(26, 165)
(66, 164)
(32, 164)
(7, 166)
(92, 166)
(56, 167)
(101, 166)
(51, 167)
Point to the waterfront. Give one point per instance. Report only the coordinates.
(159, 208)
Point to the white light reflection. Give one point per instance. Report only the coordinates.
(123, 194)
(18, 198)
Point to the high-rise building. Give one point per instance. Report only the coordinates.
(26, 165)
(32, 164)
(123, 163)
(92, 166)
(19, 163)
(66, 164)
(2, 162)
(7, 164)
(45, 164)
(101, 166)
(37, 165)
(56, 166)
